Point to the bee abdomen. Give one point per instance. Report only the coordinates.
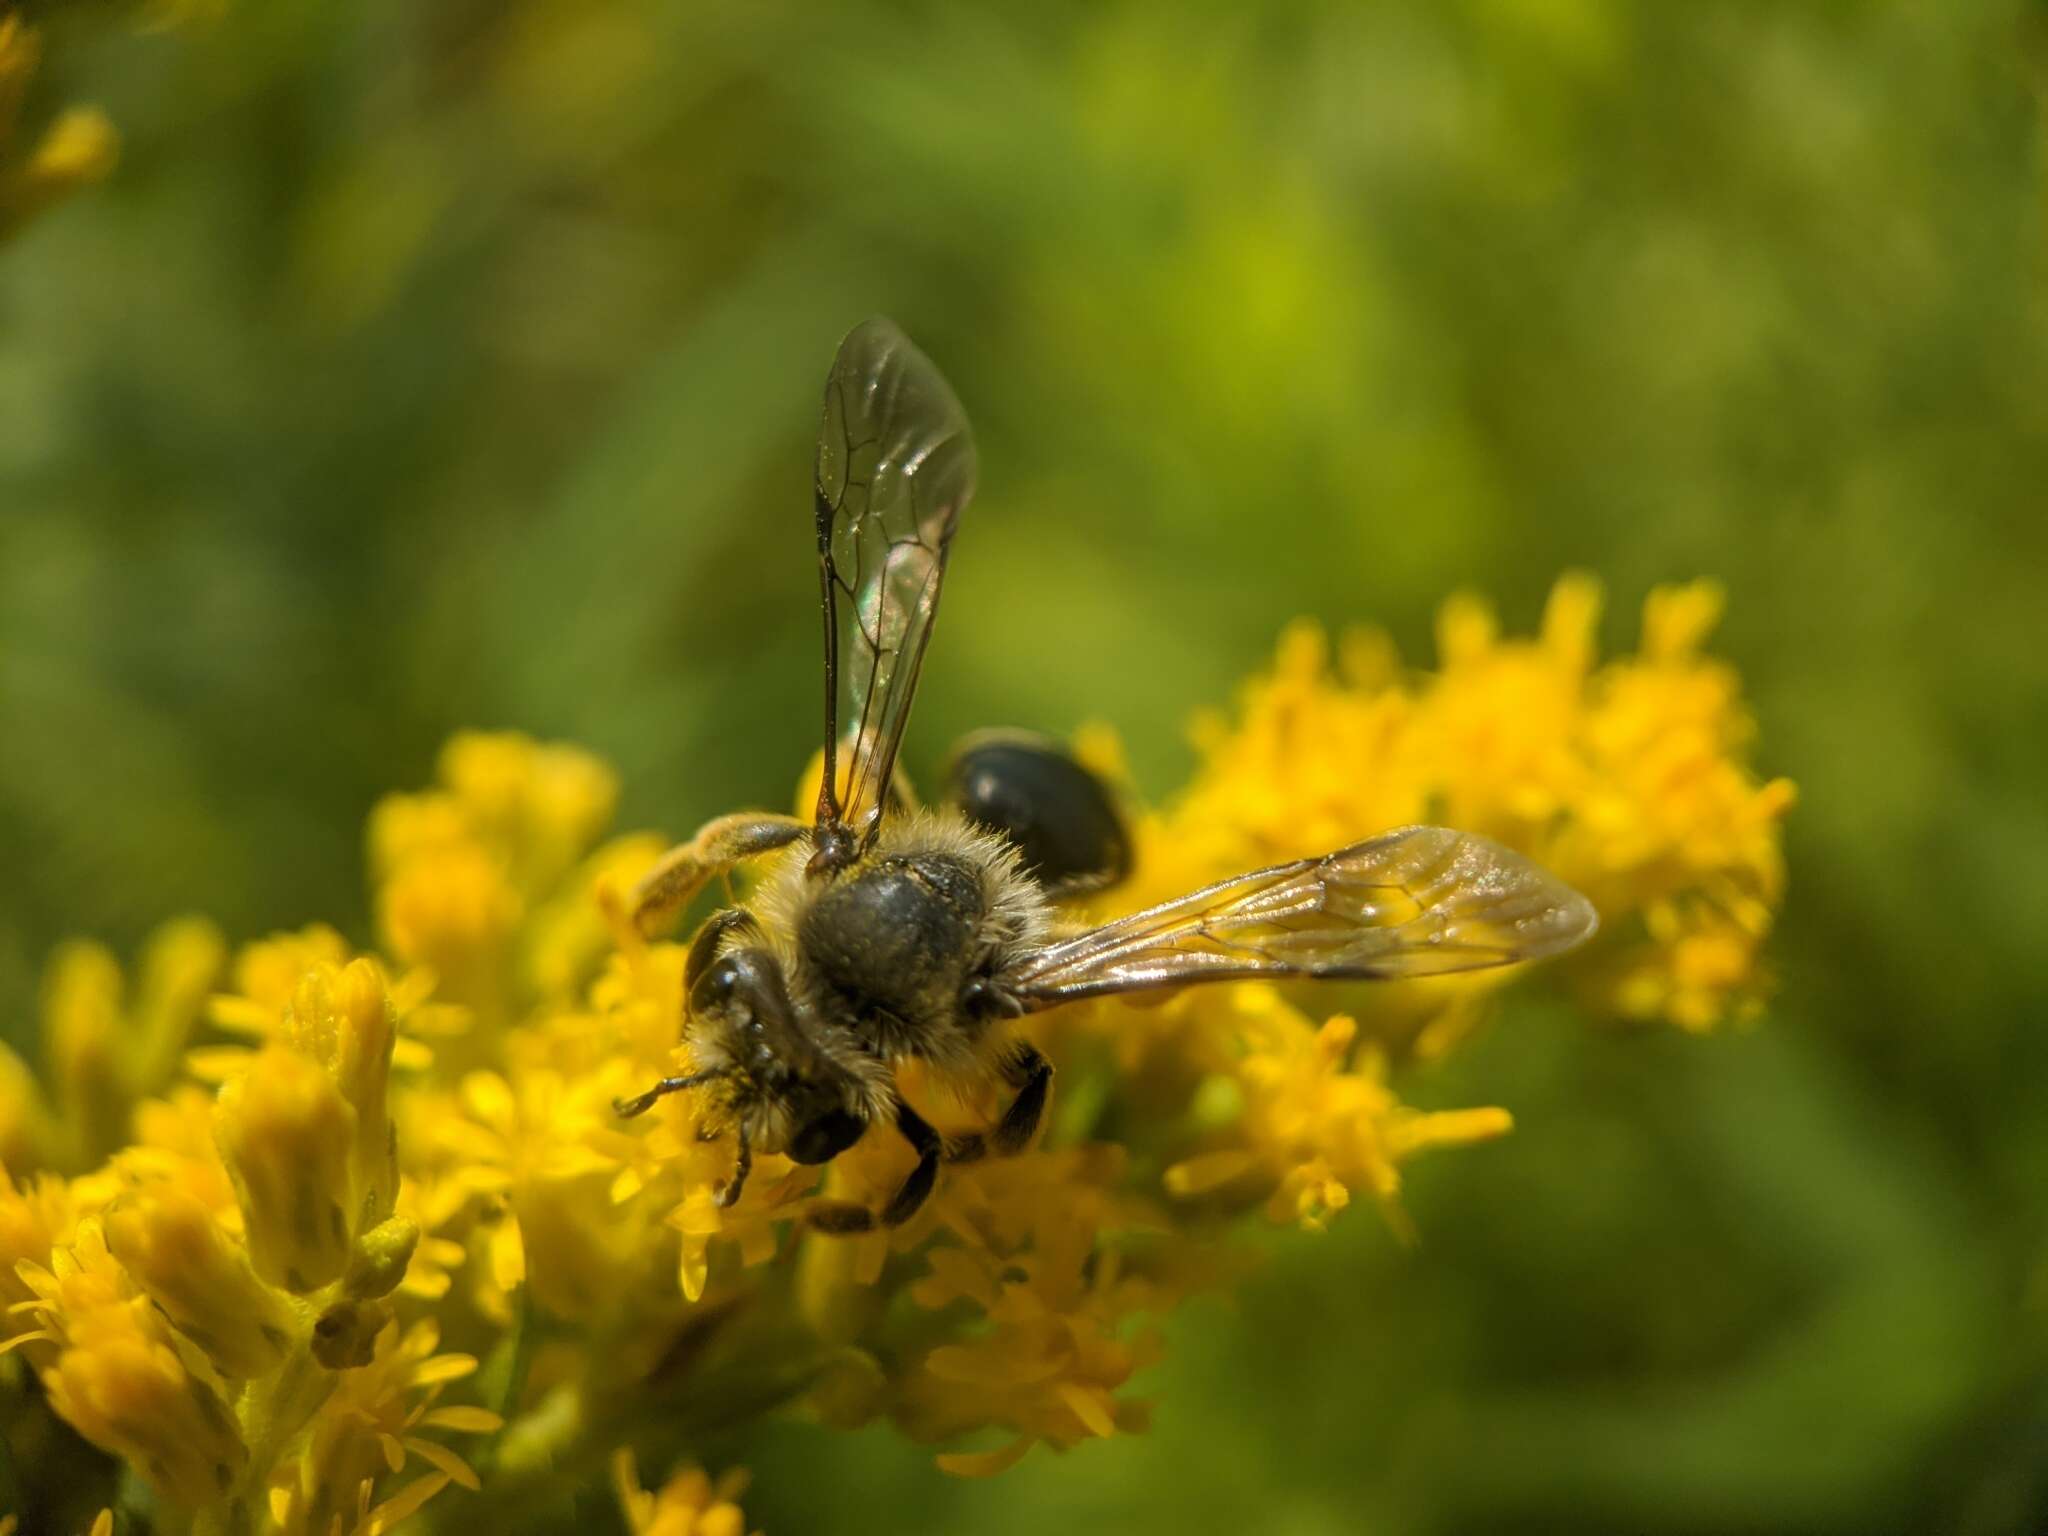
(891, 947)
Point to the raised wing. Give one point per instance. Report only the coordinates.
(1419, 901)
(896, 463)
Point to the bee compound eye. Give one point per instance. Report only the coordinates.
(715, 987)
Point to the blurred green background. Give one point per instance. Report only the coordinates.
(435, 363)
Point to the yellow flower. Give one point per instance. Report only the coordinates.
(306, 1133)
(78, 148)
(688, 1504)
(268, 975)
(1315, 761)
(540, 805)
(537, 1149)
(286, 1133)
(431, 1207)
(25, 1124)
(570, 935)
(243, 1296)
(174, 1145)
(371, 1424)
(169, 1242)
(36, 1217)
(1630, 781)
(459, 869)
(1053, 1352)
(1314, 1128)
(107, 1047)
(121, 1380)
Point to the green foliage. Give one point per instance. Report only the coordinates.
(433, 365)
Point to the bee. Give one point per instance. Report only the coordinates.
(881, 931)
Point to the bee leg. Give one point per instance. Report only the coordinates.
(971, 1148)
(842, 1218)
(839, 1218)
(719, 845)
(729, 1195)
(909, 1200)
(640, 1103)
(1031, 1073)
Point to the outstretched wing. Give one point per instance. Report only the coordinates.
(1420, 901)
(896, 463)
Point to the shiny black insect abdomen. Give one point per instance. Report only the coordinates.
(1060, 817)
(892, 947)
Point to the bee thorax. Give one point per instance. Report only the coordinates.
(893, 947)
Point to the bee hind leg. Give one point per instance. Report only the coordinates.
(1031, 1074)
(846, 1217)
(1026, 1070)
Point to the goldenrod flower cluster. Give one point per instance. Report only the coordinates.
(308, 1237)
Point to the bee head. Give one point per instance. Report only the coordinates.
(795, 1098)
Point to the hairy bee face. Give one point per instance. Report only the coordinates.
(791, 1096)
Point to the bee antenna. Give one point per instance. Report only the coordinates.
(640, 1103)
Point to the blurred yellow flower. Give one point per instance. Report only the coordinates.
(170, 1243)
(78, 148)
(37, 1216)
(265, 985)
(688, 1504)
(108, 1047)
(120, 1379)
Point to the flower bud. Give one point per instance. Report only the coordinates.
(286, 1133)
(381, 1257)
(82, 1031)
(178, 1254)
(131, 1395)
(362, 1068)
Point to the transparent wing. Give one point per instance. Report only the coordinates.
(896, 463)
(1420, 901)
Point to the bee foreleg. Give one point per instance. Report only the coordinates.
(743, 1164)
(719, 845)
(640, 1103)
(1031, 1074)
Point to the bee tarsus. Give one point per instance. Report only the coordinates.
(743, 1164)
